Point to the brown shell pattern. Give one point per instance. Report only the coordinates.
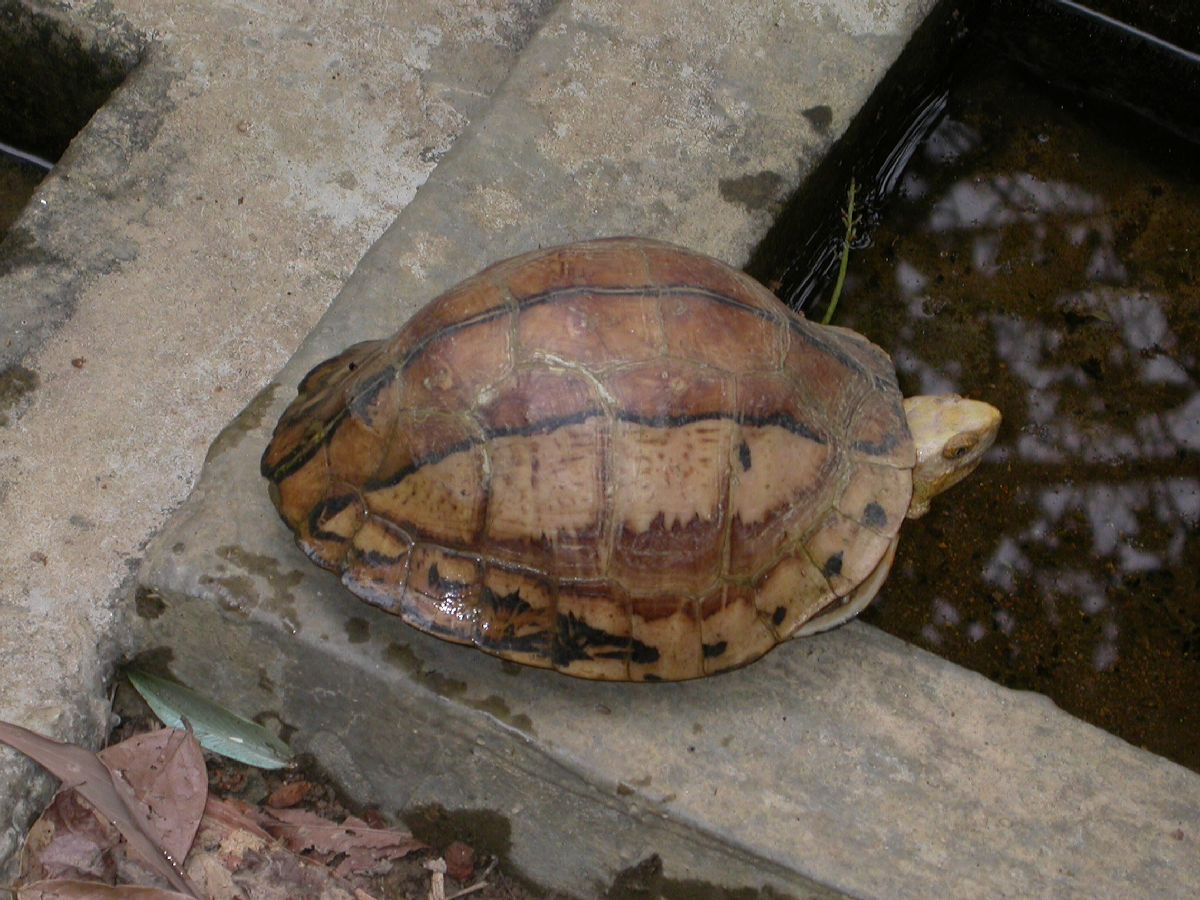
(618, 459)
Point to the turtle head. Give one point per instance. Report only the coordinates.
(951, 434)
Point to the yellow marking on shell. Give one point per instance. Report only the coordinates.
(784, 469)
(546, 485)
(442, 500)
(676, 473)
(553, 362)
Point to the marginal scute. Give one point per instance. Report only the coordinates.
(616, 459)
(877, 496)
(517, 618)
(730, 621)
(331, 524)
(845, 551)
(593, 637)
(842, 609)
(442, 595)
(376, 567)
(671, 624)
(789, 594)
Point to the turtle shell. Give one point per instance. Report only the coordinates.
(618, 459)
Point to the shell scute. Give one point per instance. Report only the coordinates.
(531, 517)
(441, 595)
(671, 625)
(455, 366)
(593, 635)
(670, 495)
(845, 551)
(726, 335)
(518, 615)
(432, 481)
(732, 631)
(557, 270)
(376, 566)
(593, 328)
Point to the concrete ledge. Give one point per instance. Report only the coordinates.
(849, 762)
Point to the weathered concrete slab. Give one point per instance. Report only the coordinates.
(193, 233)
(850, 761)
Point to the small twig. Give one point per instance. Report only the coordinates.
(477, 886)
(851, 221)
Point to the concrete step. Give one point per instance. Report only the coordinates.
(849, 762)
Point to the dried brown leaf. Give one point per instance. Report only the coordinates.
(69, 841)
(233, 814)
(230, 860)
(166, 770)
(108, 792)
(363, 850)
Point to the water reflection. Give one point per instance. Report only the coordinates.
(1028, 276)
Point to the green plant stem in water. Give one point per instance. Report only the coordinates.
(851, 222)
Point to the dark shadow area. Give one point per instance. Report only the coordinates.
(52, 80)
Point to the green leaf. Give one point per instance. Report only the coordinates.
(216, 728)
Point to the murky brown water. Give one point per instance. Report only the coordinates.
(1048, 259)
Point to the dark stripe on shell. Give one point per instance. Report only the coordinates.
(798, 327)
(577, 640)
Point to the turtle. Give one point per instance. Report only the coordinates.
(618, 459)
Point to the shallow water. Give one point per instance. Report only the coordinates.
(1046, 257)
